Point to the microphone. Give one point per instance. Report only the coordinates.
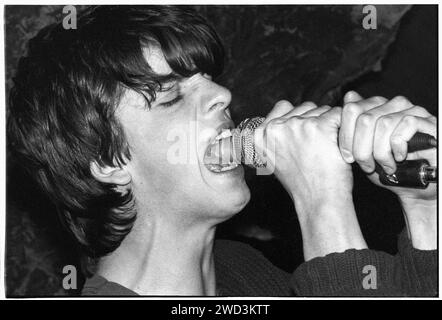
(238, 147)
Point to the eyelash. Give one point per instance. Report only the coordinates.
(172, 102)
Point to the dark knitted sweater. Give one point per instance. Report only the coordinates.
(243, 271)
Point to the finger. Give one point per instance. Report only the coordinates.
(315, 112)
(364, 132)
(260, 141)
(406, 129)
(350, 113)
(333, 115)
(382, 152)
(301, 109)
(280, 109)
(352, 96)
(265, 138)
(399, 152)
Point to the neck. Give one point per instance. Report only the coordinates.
(162, 258)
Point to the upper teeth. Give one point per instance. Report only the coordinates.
(224, 134)
(219, 167)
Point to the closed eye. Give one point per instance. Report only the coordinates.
(172, 102)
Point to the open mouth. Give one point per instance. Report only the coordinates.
(218, 156)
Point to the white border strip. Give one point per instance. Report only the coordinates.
(3, 131)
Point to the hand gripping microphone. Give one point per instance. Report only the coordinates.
(238, 147)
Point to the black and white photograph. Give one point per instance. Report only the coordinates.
(221, 151)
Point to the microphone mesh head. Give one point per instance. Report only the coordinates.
(245, 144)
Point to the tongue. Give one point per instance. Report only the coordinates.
(219, 153)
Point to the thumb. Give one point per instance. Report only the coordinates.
(334, 116)
(352, 96)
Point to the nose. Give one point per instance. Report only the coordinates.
(219, 100)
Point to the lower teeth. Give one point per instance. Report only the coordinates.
(229, 167)
(221, 168)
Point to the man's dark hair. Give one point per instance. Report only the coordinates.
(66, 90)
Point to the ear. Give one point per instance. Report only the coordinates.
(111, 175)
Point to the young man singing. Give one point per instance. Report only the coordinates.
(91, 115)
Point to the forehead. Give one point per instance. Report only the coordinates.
(155, 58)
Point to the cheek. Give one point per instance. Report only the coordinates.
(164, 155)
(167, 150)
(146, 146)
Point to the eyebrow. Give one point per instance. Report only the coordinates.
(166, 93)
(169, 85)
(171, 89)
(170, 81)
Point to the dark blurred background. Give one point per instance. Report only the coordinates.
(296, 53)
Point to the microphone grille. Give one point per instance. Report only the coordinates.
(244, 136)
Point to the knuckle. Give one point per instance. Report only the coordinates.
(432, 119)
(352, 109)
(400, 100)
(283, 104)
(385, 122)
(310, 124)
(420, 111)
(309, 104)
(365, 119)
(379, 100)
(292, 121)
(410, 120)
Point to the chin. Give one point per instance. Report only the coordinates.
(228, 191)
(233, 201)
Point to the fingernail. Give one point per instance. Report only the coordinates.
(347, 156)
(399, 156)
(349, 95)
(403, 156)
(388, 170)
(367, 169)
